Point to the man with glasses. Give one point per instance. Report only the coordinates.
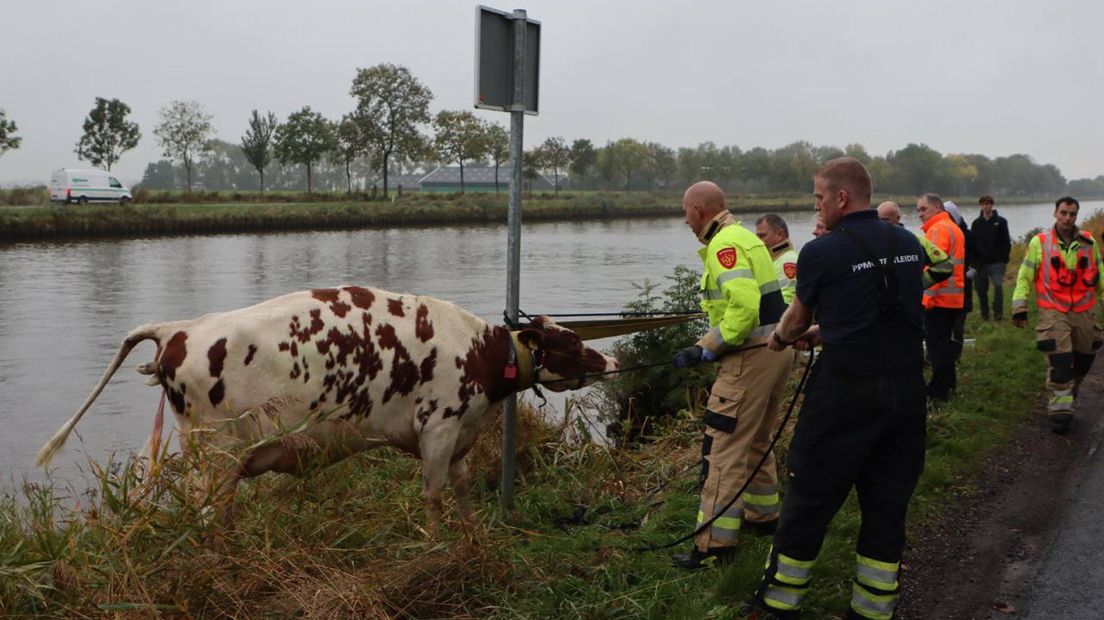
(1063, 264)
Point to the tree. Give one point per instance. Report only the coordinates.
(917, 169)
(626, 156)
(555, 154)
(256, 144)
(391, 104)
(857, 151)
(107, 133)
(584, 161)
(531, 163)
(460, 137)
(185, 133)
(304, 139)
(348, 145)
(659, 165)
(8, 139)
(498, 147)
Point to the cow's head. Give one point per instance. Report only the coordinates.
(564, 362)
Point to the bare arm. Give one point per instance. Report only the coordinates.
(794, 325)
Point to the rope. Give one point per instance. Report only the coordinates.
(717, 513)
(627, 314)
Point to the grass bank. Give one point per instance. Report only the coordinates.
(345, 542)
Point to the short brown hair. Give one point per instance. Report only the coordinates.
(847, 173)
(986, 200)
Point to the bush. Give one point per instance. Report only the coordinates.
(25, 196)
(636, 401)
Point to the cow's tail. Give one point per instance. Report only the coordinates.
(146, 332)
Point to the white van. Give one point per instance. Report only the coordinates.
(70, 185)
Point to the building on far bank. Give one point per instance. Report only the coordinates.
(482, 179)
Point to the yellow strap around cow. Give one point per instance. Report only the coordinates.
(606, 328)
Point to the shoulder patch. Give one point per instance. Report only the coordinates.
(790, 269)
(727, 257)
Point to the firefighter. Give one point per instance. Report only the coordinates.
(775, 234)
(741, 296)
(943, 301)
(1064, 266)
(863, 420)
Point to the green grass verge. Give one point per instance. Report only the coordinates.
(346, 541)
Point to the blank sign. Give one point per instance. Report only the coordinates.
(494, 61)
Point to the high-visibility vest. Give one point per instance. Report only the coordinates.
(942, 231)
(740, 291)
(1059, 287)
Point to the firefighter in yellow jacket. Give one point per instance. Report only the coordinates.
(741, 296)
(775, 234)
(1063, 265)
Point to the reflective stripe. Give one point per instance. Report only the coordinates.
(725, 527)
(762, 331)
(1061, 401)
(870, 605)
(769, 287)
(712, 294)
(793, 572)
(875, 573)
(949, 289)
(735, 273)
(766, 499)
(958, 261)
(1030, 263)
(780, 597)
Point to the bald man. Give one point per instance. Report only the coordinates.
(741, 295)
(890, 212)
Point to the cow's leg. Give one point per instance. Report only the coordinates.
(436, 448)
(461, 486)
(214, 472)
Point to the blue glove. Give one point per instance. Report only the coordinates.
(688, 357)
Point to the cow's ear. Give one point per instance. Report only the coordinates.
(531, 337)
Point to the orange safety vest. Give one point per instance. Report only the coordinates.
(942, 231)
(1060, 288)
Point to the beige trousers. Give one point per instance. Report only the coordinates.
(740, 421)
(1070, 341)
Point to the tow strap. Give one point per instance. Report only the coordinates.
(593, 329)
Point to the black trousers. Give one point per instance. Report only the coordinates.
(938, 324)
(863, 432)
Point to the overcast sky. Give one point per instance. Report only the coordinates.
(992, 77)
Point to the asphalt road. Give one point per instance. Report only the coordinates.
(1070, 581)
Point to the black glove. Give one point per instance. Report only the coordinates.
(688, 357)
(1019, 316)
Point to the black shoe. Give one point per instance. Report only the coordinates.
(1061, 422)
(760, 528)
(696, 559)
(755, 610)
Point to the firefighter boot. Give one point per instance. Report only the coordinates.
(1060, 423)
(696, 559)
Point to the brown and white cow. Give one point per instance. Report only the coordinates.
(311, 377)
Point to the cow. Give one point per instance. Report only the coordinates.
(314, 376)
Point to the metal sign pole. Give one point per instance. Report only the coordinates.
(513, 249)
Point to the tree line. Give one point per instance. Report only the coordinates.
(390, 131)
